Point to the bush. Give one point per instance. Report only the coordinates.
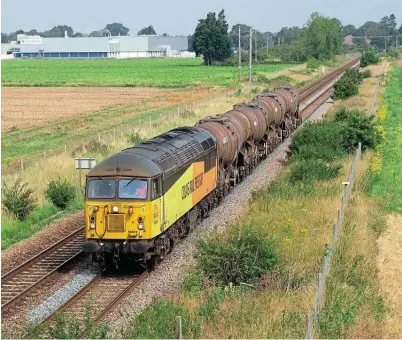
(344, 88)
(312, 63)
(393, 53)
(243, 256)
(366, 74)
(313, 169)
(135, 138)
(157, 321)
(60, 193)
(369, 57)
(318, 140)
(356, 127)
(18, 199)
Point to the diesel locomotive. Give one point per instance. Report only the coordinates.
(144, 199)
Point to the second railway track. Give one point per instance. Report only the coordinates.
(22, 280)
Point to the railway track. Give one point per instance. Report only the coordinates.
(101, 295)
(104, 292)
(22, 280)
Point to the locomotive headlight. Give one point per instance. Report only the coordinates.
(140, 233)
(130, 210)
(92, 225)
(115, 208)
(141, 226)
(92, 218)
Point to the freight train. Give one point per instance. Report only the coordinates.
(141, 201)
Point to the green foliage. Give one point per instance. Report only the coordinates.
(17, 198)
(14, 230)
(312, 63)
(211, 38)
(313, 169)
(242, 256)
(347, 86)
(193, 281)
(393, 53)
(60, 193)
(356, 127)
(157, 321)
(366, 73)
(387, 184)
(369, 57)
(67, 326)
(147, 31)
(117, 29)
(319, 140)
(135, 138)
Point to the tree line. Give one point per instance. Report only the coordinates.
(321, 37)
(113, 29)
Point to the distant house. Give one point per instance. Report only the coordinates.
(348, 40)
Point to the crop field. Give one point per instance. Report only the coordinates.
(157, 72)
(28, 107)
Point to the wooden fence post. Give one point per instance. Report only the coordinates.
(178, 327)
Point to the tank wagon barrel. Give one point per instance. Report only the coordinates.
(141, 201)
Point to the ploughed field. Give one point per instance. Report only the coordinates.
(24, 107)
(157, 72)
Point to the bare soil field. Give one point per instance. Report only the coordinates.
(25, 107)
(28, 107)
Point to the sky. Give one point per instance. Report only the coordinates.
(180, 17)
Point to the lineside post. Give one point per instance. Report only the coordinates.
(249, 56)
(178, 327)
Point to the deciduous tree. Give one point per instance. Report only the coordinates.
(147, 31)
(211, 38)
(117, 29)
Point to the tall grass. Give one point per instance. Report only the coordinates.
(386, 170)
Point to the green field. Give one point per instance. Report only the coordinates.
(155, 72)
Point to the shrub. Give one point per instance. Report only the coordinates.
(313, 169)
(354, 75)
(242, 256)
(164, 312)
(60, 193)
(369, 57)
(135, 138)
(344, 88)
(393, 53)
(366, 74)
(317, 140)
(356, 127)
(18, 199)
(312, 63)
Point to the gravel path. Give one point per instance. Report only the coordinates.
(168, 277)
(19, 252)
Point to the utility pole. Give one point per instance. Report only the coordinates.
(239, 51)
(255, 45)
(385, 40)
(267, 42)
(249, 56)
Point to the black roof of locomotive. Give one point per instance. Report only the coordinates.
(163, 154)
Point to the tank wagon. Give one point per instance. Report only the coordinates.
(141, 201)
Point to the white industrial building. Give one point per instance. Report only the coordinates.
(121, 47)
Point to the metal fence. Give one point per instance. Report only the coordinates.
(312, 318)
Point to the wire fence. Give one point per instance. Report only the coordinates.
(109, 136)
(313, 318)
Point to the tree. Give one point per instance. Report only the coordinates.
(117, 29)
(58, 32)
(348, 30)
(190, 39)
(289, 34)
(78, 35)
(211, 38)
(32, 32)
(4, 38)
(323, 36)
(390, 22)
(164, 35)
(400, 29)
(147, 31)
(100, 33)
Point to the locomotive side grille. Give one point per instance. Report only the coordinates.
(116, 222)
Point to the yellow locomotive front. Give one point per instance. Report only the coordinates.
(140, 201)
